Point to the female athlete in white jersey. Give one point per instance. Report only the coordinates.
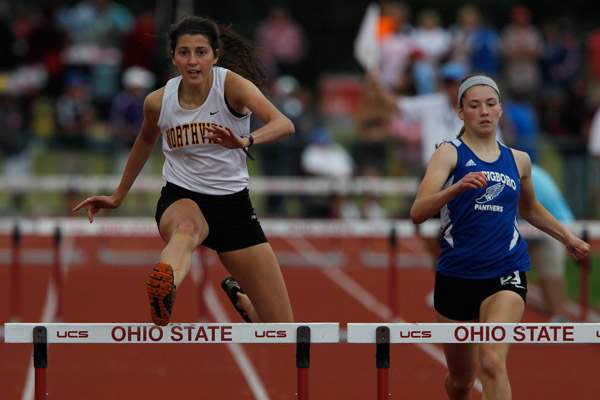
(479, 185)
(203, 117)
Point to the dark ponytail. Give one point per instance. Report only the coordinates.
(234, 51)
(239, 55)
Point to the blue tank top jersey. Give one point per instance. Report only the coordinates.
(479, 233)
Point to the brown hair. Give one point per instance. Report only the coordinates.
(234, 51)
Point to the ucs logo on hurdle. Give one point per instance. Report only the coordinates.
(72, 334)
(270, 334)
(415, 334)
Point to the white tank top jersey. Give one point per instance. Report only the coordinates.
(190, 160)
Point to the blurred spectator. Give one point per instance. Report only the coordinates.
(475, 44)
(371, 207)
(397, 51)
(560, 67)
(43, 43)
(100, 23)
(323, 157)
(392, 18)
(467, 21)
(14, 136)
(593, 67)
(522, 47)
(436, 113)
(561, 58)
(139, 46)
(7, 39)
(43, 117)
(281, 43)
(485, 50)
(520, 124)
(593, 148)
(375, 113)
(127, 111)
(594, 135)
(433, 41)
(548, 256)
(74, 113)
(95, 30)
(282, 157)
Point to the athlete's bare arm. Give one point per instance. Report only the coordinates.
(533, 212)
(243, 95)
(430, 196)
(144, 143)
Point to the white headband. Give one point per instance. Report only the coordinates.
(474, 81)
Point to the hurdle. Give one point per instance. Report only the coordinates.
(42, 334)
(382, 335)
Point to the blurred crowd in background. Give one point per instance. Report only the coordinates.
(73, 77)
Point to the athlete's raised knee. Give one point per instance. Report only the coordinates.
(191, 229)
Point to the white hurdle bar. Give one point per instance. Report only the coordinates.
(42, 334)
(382, 335)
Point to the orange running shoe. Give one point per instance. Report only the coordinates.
(161, 293)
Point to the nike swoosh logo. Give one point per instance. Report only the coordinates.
(213, 112)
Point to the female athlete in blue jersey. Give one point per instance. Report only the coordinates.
(478, 185)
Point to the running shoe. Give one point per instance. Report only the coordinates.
(232, 288)
(161, 293)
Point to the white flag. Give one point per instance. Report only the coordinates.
(366, 45)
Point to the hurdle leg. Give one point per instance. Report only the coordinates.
(393, 275)
(302, 360)
(40, 361)
(382, 357)
(15, 275)
(584, 288)
(57, 273)
(584, 282)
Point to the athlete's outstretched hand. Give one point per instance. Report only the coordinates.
(472, 180)
(95, 203)
(576, 247)
(224, 136)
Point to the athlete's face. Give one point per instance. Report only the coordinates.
(194, 57)
(481, 109)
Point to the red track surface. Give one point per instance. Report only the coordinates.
(340, 371)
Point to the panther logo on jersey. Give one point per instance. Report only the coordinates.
(490, 193)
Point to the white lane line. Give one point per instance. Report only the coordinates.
(366, 298)
(220, 315)
(237, 351)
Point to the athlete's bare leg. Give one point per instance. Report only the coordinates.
(183, 227)
(462, 366)
(503, 306)
(258, 272)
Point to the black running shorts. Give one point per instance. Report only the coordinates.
(460, 299)
(231, 219)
